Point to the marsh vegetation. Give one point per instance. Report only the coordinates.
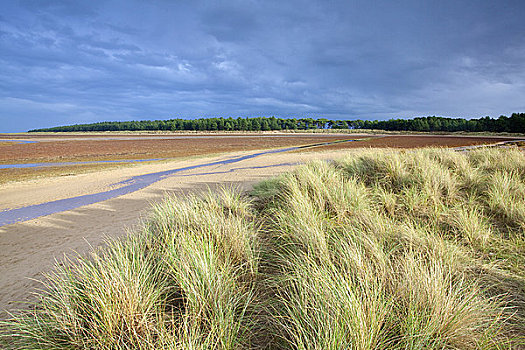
(420, 249)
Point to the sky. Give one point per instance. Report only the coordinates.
(71, 62)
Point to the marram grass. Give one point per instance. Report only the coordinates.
(382, 250)
(184, 282)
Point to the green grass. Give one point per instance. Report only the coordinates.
(382, 250)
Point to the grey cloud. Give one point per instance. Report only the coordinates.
(88, 61)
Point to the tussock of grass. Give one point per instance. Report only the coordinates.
(401, 250)
(184, 282)
(383, 250)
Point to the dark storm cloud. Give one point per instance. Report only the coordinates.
(74, 62)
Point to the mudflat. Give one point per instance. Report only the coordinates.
(96, 149)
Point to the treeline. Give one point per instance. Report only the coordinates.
(514, 123)
(207, 124)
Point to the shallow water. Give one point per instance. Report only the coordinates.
(17, 141)
(37, 165)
